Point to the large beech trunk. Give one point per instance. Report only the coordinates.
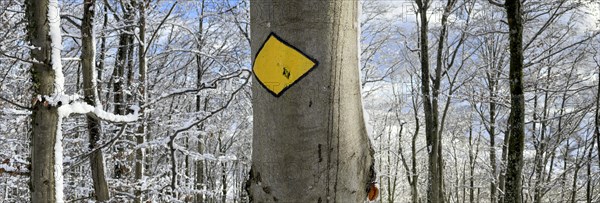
(44, 117)
(311, 144)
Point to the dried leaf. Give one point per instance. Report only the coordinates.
(373, 192)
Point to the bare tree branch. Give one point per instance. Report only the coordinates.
(14, 103)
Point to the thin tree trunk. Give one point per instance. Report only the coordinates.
(327, 157)
(102, 56)
(414, 192)
(394, 182)
(504, 161)
(90, 91)
(492, 132)
(578, 166)
(517, 113)
(118, 77)
(200, 182)
(122, 61)
(223, 170)
(434, 193)
(224, 181)
(141, 131)
(597, 116)
(199, 73)
(44, 118)
(588, 187)
(471, 167)
(541, 151)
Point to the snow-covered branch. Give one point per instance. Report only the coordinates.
(81, 107)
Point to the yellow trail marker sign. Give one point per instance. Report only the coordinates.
(278, 65)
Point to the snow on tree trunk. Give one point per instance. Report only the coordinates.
(91, 97)
(43, 32)
(310, 144)
(141, 131)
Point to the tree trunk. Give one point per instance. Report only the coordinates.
(430, 105)
(199, 72)
(90, 92)
(588, 182)
(122, 61)
(517, 111)
(125, 40)
(44, 118)
(141, 131)
(223, 152)
(310, 144)
(492, 132)
(504, 164)
(492, 78)
(541, 151)
(100, 65)
(414, 192)
(471, 167)
(597, 116)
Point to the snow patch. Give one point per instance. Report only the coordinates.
(10, 111)
(58, 161)
(59, 81)
(93, 68)
(80, 107)
(7, 167)
(56, 39)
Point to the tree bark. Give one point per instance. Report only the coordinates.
(311, 144)
(517, 111)
(44, 118)
(596, 132)
(90, 93)
(141, 131)
(125, 40)
(199, 73)
(122, 61)
(492, 132)
(435, 193)
(471, 166)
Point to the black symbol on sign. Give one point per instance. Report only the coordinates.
(286, 73)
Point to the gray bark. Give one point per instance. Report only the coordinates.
(44, 118)
(91, 96)
(310, 144)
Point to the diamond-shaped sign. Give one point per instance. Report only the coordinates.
(278, 65)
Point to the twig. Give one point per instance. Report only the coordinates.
(495, 3)
(185, 128)
(20, 59)
(14, 103)
(83, 157)
(158, 28)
